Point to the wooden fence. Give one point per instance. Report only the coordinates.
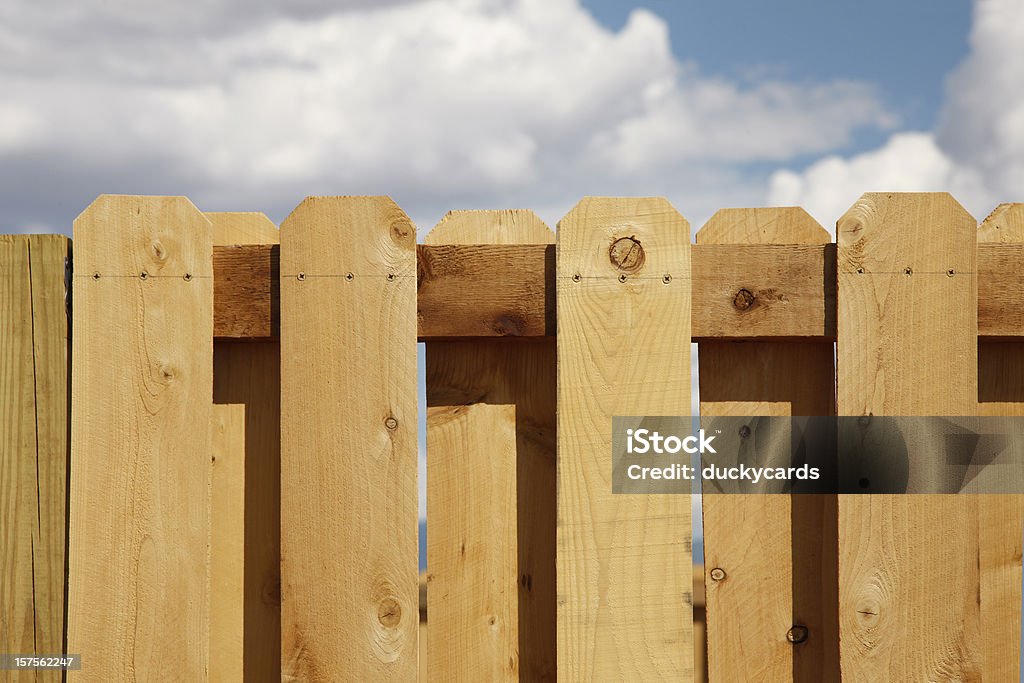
(235, 492)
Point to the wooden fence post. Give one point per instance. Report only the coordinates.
(349, 510)
(491, 442)
(909, 588)
(249, 373)
(33, 446)
(227, 544)
(1001, 392)
(625, 574)
(140, 439)
(782, 568)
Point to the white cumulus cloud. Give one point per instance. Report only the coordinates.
(440, 103)
(977, 152)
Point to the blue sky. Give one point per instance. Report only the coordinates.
(905, 47)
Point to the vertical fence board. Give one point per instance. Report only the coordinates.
(749, 538)
(625, 575)
(907, 345)
(349, 507)
(495, 372)
(33, 446)
(18, 450)
(49, 260)
(790, 578)
(227, 543)
(472, 613)
(140, 453)
(1001, 392)
(249, 373)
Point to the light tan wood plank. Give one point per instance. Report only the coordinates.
(625, 577)
(523, 376)
(18, 506)
(248, 373)
(907, 345)
(784, 574)
(348, 441)
(1001, 523)
(49, 254)
(140, 439)
(471, 554)
(243, 227)
(748, 571)
(227, 544)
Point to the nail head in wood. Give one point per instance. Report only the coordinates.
(797, 634)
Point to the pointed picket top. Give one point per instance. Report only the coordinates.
(1004, 224)
(633, 238)
(903, 230)
(509, 226)
(161, 236)
(334, 236)
(768, 225)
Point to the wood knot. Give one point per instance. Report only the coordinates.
(389, 612)
(627, 254)
(401, 230)
(744, 299)
(159, 252)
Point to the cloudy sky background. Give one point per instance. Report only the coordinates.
(448, 104)
(497, 103)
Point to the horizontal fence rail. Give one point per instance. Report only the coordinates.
(740, 291)
(208, 443)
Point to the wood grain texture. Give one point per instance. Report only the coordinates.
(227, 544)
(909, 582)
(18, 449)
(515, 375)
(749, 537)
(779, 552)
(33, 446)
(1001, 518)
(50, 326)
(247, 293)
(348, 441)
(625, 577)
(517, 304)
(248, 373)
(471, 553)
(1000, 283)
(140, 439)
(242, 227)
(472, 291)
